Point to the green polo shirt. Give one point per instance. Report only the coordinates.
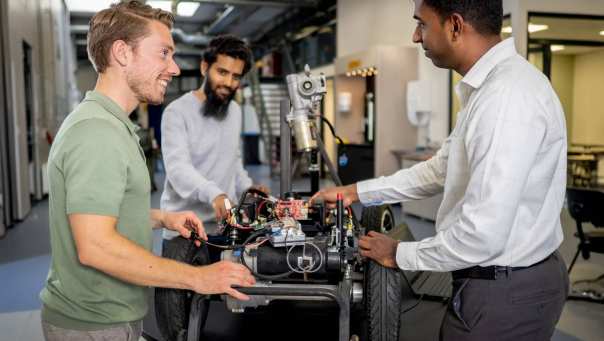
(96, 166)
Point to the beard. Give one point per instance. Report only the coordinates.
(215, 106)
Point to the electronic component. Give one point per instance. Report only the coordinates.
(297, 209)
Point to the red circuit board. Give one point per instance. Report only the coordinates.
(297, 209)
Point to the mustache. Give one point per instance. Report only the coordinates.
(229, 90)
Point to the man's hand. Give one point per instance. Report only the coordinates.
(218, 278)
(329, 195)
(220, 210)
(262, 188)
(184, 222)
(380, 248)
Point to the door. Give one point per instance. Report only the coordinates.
(4, 193)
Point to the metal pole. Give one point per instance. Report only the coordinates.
(332, 169)
(314, 172)
(285, 149)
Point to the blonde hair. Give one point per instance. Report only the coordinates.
(125, 21)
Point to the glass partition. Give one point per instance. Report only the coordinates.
(569, 50)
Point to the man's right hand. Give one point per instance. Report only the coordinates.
(220, 277)
(329, 195)
(220, 210)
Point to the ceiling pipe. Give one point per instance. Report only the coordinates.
(191, 39)
(226, 18)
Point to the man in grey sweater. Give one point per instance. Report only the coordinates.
(200, 138)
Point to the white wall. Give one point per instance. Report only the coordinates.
(562, 77)
(364, 24)
(588, 103)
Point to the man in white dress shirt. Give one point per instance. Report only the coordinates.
(503, 174)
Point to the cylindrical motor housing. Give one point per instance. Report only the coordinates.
(303, 134)
(305, 93)
(270, 260)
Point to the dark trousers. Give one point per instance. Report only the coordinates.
(251, 154)
(522, 305)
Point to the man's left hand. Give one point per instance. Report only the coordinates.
(380, 248)
(184, 222)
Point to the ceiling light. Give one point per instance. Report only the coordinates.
(165, 5)
(555, 48)
(87, 5)
(506, 29)
(187, 9)
(532, 28)
(325, 29)
(602, 33)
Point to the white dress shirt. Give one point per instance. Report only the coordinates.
(502, 170)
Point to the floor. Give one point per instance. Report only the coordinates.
(25, 256)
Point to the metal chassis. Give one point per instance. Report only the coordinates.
(341, 294)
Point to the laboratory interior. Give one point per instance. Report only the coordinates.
(301, 170)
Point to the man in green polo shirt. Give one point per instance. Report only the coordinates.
(99, 202)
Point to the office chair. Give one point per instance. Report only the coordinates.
(586, 205)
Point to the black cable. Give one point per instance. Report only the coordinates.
(244, 195)
(253, 235)
(259, 275)
(331, 128)
(195, 236)
(332, 169)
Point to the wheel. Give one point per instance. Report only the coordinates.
(383, 286)
(172, 306)
(378, 218)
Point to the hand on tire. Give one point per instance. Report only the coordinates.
(380, 248)
(220, 277)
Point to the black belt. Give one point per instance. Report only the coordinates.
(491, 272)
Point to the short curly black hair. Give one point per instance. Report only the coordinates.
(231, 46)
(486, 16)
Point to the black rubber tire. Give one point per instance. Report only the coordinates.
(378, 218)
(172, 306)
(383, 286)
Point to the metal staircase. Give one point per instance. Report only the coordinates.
(266, 97)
